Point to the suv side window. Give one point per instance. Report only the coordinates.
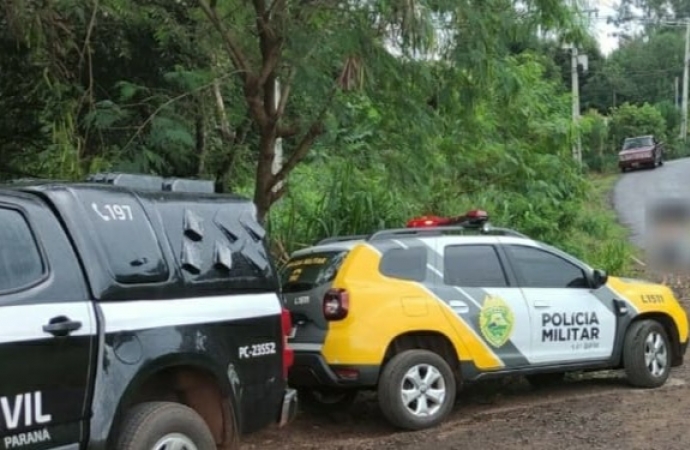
(130, 244)
(473, 266)
(404, 263)
(21, 264)
(537, 268)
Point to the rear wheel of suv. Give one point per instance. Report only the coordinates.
(416, 390)
(317, 400)
(164, 426)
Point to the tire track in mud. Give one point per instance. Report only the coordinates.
(364, 428)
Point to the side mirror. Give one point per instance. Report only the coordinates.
(599, 277)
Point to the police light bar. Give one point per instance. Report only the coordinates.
(428, 221)
(473, 218)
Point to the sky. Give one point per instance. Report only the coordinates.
(603, 31)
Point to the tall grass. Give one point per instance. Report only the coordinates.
(343, 200)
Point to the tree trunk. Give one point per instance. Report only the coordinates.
(263, 195)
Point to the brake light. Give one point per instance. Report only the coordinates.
(288, 353)
(336, 304)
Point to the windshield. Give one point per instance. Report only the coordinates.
(638, 142)
(306, 272)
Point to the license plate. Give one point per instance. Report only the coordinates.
(293, 332)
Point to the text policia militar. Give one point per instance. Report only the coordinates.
(571, 326)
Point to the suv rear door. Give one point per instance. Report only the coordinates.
(47, 330)
(306, 278)
(487, 297)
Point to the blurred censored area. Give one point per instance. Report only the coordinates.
(667, 236)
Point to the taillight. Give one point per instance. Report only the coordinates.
(288, 353)
(336, 304)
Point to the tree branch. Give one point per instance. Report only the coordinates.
(271, 58)
(232, 47)
(315, 129)
(285, 93)
(153, 115)
(225, 130)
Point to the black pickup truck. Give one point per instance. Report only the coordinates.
(137, 313)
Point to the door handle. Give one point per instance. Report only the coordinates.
(541, 304)
(61, 326)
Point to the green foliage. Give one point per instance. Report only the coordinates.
(630, 120)
(597, 152)
(165, 88)
(511, 157)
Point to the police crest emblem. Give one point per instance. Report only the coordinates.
(496, 321)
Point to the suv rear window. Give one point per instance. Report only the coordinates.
(306, 272)
(20, 260)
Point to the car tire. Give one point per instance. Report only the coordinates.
(541, 380)
(320, 400)
(647, 354)
(149, 426)
(399, 376)
(623, 169)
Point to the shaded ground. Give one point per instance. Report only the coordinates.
(586, 412)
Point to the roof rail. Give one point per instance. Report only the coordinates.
(394, 233)
(435, 231)
(354, 237)
(27, 180)
(153, 182)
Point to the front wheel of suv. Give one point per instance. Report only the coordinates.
(647, 354)
(416, 390)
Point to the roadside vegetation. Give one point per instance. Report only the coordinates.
(379, 118)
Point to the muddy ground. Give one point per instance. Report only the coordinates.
(599, 411)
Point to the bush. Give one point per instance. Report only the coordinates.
(630, 120)
(597, 153)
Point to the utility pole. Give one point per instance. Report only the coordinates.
(676, 88)
(686, 60)
(577, 149)
(576, 60)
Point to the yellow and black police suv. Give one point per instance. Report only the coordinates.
(415, 312)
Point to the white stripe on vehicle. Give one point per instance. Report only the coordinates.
(435, 270)
(400, 243)
(140, 315)
(25, 322)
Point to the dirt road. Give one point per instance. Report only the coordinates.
(634, 189)
(585, 414)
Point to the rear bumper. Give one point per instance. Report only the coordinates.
(634, 163)
(288, 409)
(310, 370)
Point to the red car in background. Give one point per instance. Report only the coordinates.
(641, 151)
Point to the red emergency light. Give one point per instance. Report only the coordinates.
(475, 217)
